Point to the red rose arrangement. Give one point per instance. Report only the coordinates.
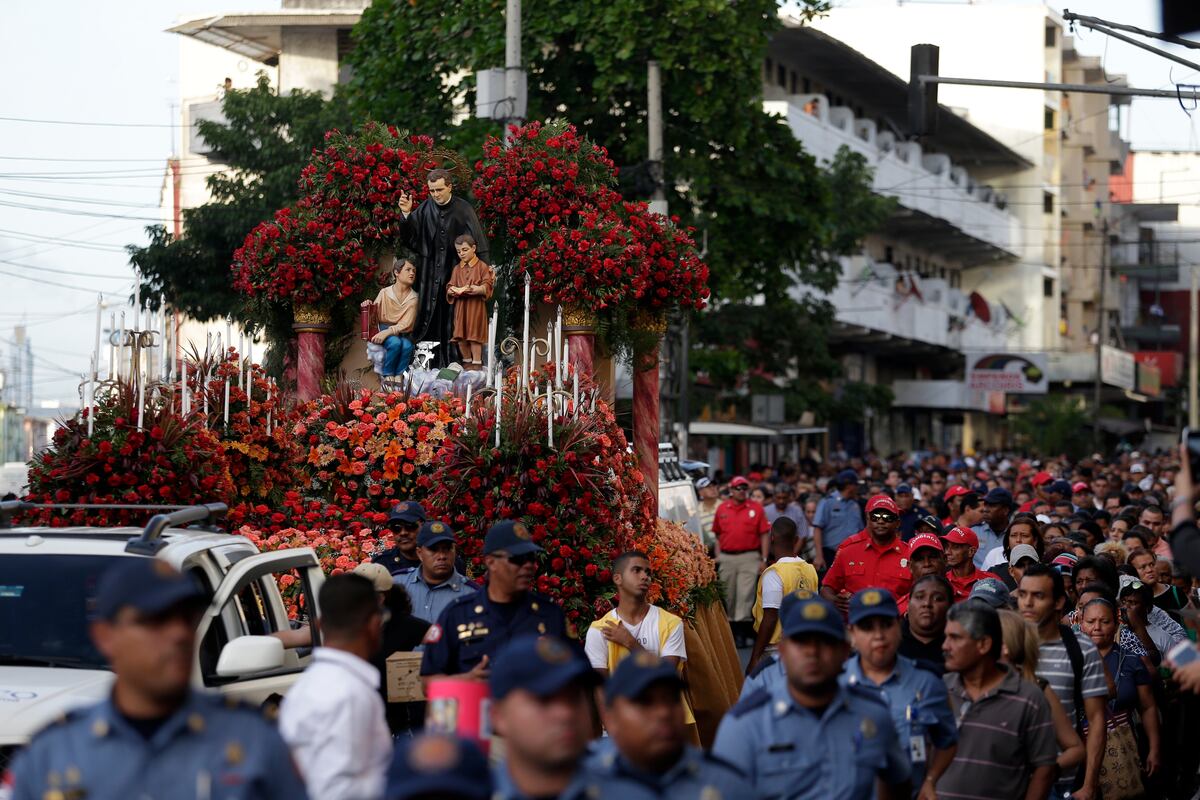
(365, 451)
(672, 273)
(581, 499)
(169, 461)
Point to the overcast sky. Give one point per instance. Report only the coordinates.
(72, 195)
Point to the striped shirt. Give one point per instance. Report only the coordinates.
(1002, 738)
(1054, 667)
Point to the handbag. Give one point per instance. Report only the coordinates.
(1120, 770)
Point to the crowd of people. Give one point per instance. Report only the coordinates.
(943, 628)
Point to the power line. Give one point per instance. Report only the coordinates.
(91, 124)
(58, 285)
(67, 272)
(78, 213)
(69, 199)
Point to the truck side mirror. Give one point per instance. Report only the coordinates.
(247, 655)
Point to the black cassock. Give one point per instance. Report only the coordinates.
(430, 230)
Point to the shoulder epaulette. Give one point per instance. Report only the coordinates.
(763, 664)
(750, 702)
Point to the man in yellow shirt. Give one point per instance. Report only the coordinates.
(787, 573)
(634, 625)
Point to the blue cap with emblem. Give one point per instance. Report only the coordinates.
(148, 585)
(812, 615)
(509, 536)
(991, 591)
(408, 511)
(872, 603)
(636, 673)
(541, 665)
(433, 532)
(436, 765)
(846, 477)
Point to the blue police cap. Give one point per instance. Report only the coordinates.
(541, 665)
(846, 476)
(872, 603)
(812, 615)
(991, 591)
(407, 511)
(433, 532)
(436, 765)
(904, 488)
(998, 497)
(636, 673)
(510, 536)
(148, 585)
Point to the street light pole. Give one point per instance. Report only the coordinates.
(1101, 336)
(512, 64)
(1193, 353)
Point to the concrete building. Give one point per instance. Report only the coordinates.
(932, 285)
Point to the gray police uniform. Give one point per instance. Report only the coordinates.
(209, 749)
(767, 674)
(788, 751)
(428, 602)
(696, 776)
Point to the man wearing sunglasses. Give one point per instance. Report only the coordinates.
(472, 628)
(404, 522)
(154, 736)
(873, 557)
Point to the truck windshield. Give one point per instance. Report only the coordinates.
(45, 605)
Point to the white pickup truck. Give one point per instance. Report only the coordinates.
(48, 577)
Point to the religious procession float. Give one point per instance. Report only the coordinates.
(479, 382)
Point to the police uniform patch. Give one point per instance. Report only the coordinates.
(433, 635)
(867, 726)
(552, 652)
(814, 611)
(437, 527)
(802, 594)
(872, 597)
(234, 753)
(433, 754)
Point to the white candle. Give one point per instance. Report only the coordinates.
(241, 353)
(141, 399)
(228, 340)
(204, 391)
(491, 348)
(137, 296)
(270, 393)
(468, 402)
(184, 406)
(558, 348)
(162, 319)
(90, 393)
(525, 337)
(226, 382)
(575, 392)
(249, 383)
(549, 415)
(112, 348)
(96, 347)
(121, 352)
(499, 394)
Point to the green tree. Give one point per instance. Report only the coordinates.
(264, 143)
(772, 220)
(1054, 425)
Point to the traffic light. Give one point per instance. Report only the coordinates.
(922, 97)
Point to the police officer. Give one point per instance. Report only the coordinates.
(154, 736)
(472, 628)
(768, 673)
(916, 695)
(436, 583)
(646, 754)
(541, 707)
(404, 522)
(437, 765)
(813, 737)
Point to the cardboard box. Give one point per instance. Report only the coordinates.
(403, 678)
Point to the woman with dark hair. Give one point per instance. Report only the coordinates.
(1130, 690)
(1022, 529)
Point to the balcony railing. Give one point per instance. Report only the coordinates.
(926, 182)
(1157, 262)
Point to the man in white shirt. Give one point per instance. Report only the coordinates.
(634, 624)
(333, 717)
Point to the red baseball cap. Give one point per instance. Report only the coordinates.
(1080, 487)
(960, 535)
(955, 491)
(738, 481)
(925, 540)
(1042, 477)
(884, 503)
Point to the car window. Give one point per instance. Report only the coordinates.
(45, 607)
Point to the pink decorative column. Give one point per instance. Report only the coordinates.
(579, 326)
(311, 326)
(646, 407)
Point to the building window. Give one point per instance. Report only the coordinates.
(889, 254)
(1048, 287)
(806, 84)
(770, 67)
(1048, 122)
(1051, 36)
(792, 81)
(781, 76)
(1047, 203)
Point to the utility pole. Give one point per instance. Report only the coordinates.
(1194, 354)
(513, 70)
(654, 135)
(1101, 336)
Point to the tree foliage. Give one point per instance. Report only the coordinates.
(1054, 425)
(264, 143)
(773, 221)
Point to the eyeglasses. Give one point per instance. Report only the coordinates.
(518, 561)
(883, 516)
(403, 526)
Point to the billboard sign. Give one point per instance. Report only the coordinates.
(1011, 373)
(1117, 368)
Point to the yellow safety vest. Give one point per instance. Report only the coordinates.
(667, 625)
(794, 574)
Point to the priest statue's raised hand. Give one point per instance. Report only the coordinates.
(430, 230)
